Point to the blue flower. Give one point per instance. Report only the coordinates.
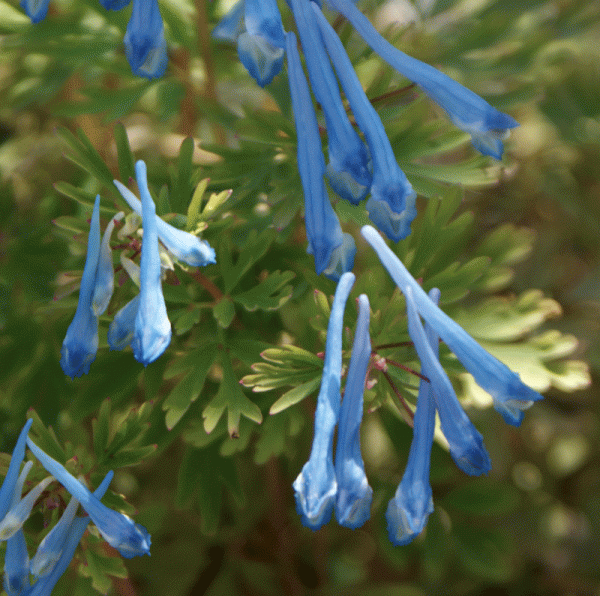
(81, 341)
(348, 168)
(122, 327)
(119, 530)
(9, 485)
(262, 18)
(316, 486)
(231, 26)
(354, 495)
(486, 125)
(464, 440)
(16, 565)
(511, 396)
(184, 246)
(145, 43)
(392, 203)
(152, 328)
(114, 4)
(45, 584)
(36, 10)
(104, 284)
(408, 511)
(333, 250)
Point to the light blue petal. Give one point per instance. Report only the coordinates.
(348, 169)
(486, 125)
(104, 286)
(45, 585)
(509, 393)
(184, 246)
(322, 224)
(262, 59)
(408, 511)
(262, 18)
(316, 486)
(16, 565)
(122, 327)
(152, 333)
(119, 530)
(145, 43)
(231, 26)
(392, 203)
(36, 10)
(81, 341)
(342, 259)
(7, 490)
(354, 495)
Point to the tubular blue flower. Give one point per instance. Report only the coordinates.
(465, 441)
(408, 511)
(119, 530)
(316, 486)
(184, 246)
(486, 125)
(45, 584)
(262, 59)
(36, 10)
(104, 286)
(9, 485)
(231, 26)
(392, 203)
(114, 4)
(348, 168)
(50, 548)
(511, 396)
(122, 327)
(152, 329)
(333, 250)
(81, 341)
(354, 495)
(262, 18)
(16, 564)
(145, 44)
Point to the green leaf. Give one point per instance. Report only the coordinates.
(186, 320)
(230, 397)
(180, 195)
(101, 429)
(99, 568)
(295, 395)
(124, 153)
(194, 208)
(270, 294)
(45, 438)
(189, 387)
(224, 311)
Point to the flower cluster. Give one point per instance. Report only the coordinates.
(145, 44)
(320, 484)
(356, 169)
(143, 322)
(56, 550)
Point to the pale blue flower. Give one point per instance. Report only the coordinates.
(36, 10)
(354, 495)
(152, 329)
(16, 564)
(145, 43)
(392, 203)
(262, 18)
(348, 169)
(119, 530)
(316, 485)
(122, 327)
(464, 440)
(332, 249)
(486, 125)
(262, 59)
(81, 341)
(44, 585)
(408, 511)
(105, 274)
(231, 26)
(184, 246)
(511, 396)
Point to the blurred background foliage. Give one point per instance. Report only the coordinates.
(514, 247)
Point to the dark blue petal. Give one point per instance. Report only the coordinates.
(145, 43)
(316, 486)
(392, 203)
(354, 495)
(36, 10)
(114, 4)
(81, 341)
(486, 125)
